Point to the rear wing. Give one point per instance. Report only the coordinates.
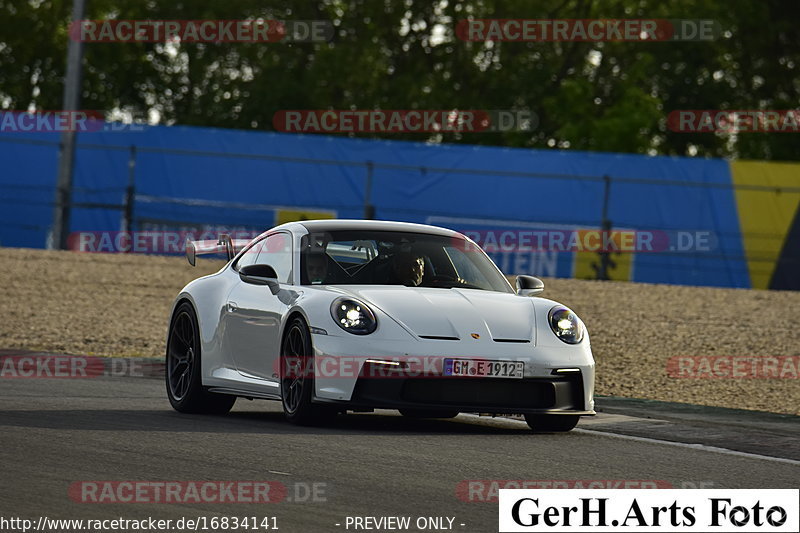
(230, 247)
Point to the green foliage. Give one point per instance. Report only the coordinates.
(399, 54)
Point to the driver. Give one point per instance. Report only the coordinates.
(316, 267)
(408, 269)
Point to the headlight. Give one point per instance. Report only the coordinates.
(565, 325)
(353, 316)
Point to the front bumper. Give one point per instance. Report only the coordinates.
(557, 394)
(558, 379)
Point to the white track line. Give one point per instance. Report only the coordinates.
(697, 447)
(701, 447)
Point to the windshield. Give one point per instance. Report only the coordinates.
(364, 257)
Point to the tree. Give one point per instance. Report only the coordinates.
(611, 96)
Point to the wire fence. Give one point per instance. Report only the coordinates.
(247, 213)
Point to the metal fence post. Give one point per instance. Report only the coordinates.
(605, 258)
(369, 209)
(66, 158)
(130, 192)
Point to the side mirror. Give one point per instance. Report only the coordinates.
(529, 286)
(260, 275)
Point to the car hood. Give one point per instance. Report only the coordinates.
(430, 312)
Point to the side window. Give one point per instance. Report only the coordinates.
(276, 251)
(250, 256)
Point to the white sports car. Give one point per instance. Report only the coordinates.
(335, 315)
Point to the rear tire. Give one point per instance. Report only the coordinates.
(552, 423)
(297, 377)
(428, 413)
(183, 370)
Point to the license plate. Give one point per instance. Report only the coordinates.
(483, 369)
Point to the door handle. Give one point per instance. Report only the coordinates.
(231, 307)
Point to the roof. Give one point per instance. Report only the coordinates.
(375, 225)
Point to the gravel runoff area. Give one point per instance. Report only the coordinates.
(117, 305)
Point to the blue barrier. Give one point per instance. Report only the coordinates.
(211, 176)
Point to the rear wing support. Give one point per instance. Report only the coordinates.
(224, 245)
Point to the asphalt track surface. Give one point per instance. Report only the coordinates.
(54, 432)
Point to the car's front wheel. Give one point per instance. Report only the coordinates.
(552, 423)
(297, 377)
(183, 370)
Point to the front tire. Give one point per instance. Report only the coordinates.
(297, 377)
(184, 371)
(552, 423)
